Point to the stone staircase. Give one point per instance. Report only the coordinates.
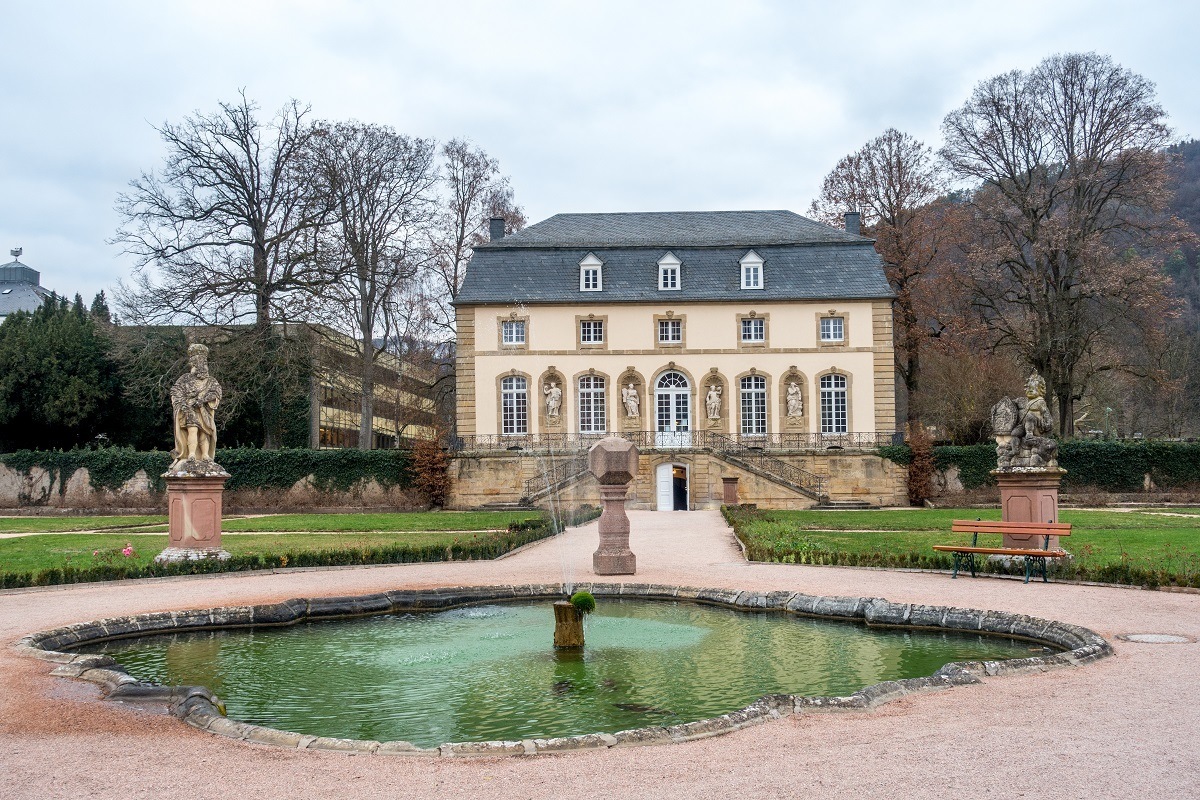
(556, 478)
(773, 469)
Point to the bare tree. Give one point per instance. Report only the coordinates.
(895, 182)
(380, 185)
(1073, 185)
(226, 226)
(473, 192)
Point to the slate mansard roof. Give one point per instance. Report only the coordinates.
(19, 289)
(804, 260)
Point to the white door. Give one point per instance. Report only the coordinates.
(665, 487)
(673, 411)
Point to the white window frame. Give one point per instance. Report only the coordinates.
(835, 404)
(827, 331)
(754, 405)
(593, 410)
(514, 406)
(674, 329)
(754, 325)
(752, 270)
(591, 267)
(513, 327)
(591, 331)
(670, 273)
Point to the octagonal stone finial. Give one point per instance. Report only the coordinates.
(613, 460)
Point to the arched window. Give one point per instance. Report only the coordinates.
(592, 414)
(514, 405)
(672, 380)
(834, 409)
(754, 405)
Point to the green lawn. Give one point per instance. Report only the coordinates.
(355, 535)
(411, 521)
(51, 524)
(34, 553)
(1104, 542)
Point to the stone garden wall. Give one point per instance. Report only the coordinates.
(481, 479)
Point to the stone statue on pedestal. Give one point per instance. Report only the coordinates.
(195, 481)
(1022, 428)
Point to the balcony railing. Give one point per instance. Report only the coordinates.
(688, 440)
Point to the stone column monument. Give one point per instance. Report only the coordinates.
(195, 482)
(1027, 462)
(614, 462)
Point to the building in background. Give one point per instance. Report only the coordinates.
(20, 288)
(404, 410)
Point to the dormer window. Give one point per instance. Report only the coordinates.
(752, 271)
(668, 273)
(591, 278)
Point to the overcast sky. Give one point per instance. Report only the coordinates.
(611, 106)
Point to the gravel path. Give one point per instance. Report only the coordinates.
(1127, 726)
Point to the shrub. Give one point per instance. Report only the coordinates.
(584, 602)
(431, 469)
(920, 466)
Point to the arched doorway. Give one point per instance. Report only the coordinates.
(671, 487)
(673, 410)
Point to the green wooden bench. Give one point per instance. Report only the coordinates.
(1035, 559)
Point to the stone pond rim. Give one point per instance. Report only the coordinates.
(197, 706)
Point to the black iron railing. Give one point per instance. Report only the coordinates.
(668, 440)
(757, 458)
(556, 473)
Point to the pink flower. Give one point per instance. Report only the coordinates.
(95, 552)
(128, 551)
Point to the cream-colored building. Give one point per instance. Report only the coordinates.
(751, 337)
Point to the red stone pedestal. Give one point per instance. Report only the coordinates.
(613, 557)
(614, 462)
(1029, 496)
(729, 491)
(194, 506)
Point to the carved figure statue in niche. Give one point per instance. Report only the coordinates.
(195, 396)
(1022, 426)
(629, 397)
(795, 400)
(553, 399)
(712, 400)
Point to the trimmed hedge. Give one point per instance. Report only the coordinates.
(332, 470)
(1112, 466)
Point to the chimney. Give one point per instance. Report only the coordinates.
(852, 218)
(496, 228)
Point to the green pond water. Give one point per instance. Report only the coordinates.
(490, 672)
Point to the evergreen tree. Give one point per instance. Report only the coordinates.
(58, 385)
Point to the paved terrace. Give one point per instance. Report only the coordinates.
(1127, 726)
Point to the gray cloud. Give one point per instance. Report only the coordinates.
(615, 107)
